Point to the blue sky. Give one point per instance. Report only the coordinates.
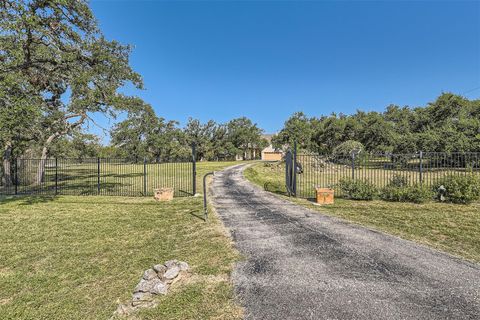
(264, 60)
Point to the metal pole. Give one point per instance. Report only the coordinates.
(56, 176)
(98, 175)
(421, 167)
(16, 176)
(287, 173)
(194, 169)
(353, 165)
(144, 176)
(205, 211)
(295, 169)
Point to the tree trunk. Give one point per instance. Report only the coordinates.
(43, 159)
(68, 128)
(7, 165)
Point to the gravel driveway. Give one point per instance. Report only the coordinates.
(300, 264)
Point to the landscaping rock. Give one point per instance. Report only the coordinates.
(172, 272)
(143, 286)
(158, 287)
(171, 263)
(154, 282)
(183, 266)
(160, 269)
(139, 298)
(149, 274)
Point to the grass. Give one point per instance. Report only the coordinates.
(448, 227)
(115, 177)
(72, 257)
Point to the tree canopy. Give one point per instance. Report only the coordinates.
(55, 57)
(450, 123)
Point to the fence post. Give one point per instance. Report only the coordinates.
(353, 165)
(294, 189)
(98, 175)
(194, 168)
(16, 175)
(56, 176)
(420, 168)
(144, 176)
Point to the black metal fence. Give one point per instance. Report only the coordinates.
(97, 176)
(326, 170)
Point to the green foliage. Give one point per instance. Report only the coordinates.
(398, 190)
(57, 65)
(297, 128)
(345, 149)
(398, 181)
(450, 123)
(462, 189)
(357, 189)
(416, 193)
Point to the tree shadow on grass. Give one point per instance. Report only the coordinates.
(26, 200)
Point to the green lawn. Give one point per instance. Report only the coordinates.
(448, 227)
(71, 257)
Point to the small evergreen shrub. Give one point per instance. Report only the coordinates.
(416, 193)
(398, 181)
(462, 189)
(357, 189)
(398, 190)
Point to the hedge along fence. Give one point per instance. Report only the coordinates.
(98, 176)
(424, 168)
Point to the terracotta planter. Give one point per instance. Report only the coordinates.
(163, 194)
(325, 195)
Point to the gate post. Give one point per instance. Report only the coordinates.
(56, 176)
(420, 167)
(294, 182)
(16, 175)
(287, 175)
(353, 165)
(98, 175)
(144, 176)
(194, 169)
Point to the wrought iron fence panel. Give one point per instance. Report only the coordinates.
(97, 176)
(427, 168)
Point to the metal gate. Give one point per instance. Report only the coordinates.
(290, 171)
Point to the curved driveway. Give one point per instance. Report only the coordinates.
(300, 264)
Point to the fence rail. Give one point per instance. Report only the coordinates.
(97, 176)
(326, 170)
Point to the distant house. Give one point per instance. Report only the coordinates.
(270, 153)
(254, 152)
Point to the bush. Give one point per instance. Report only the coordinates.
(460, 189)
(346, 148)
(357, 189)
(399, 190)
(398, 181)
(416, 193)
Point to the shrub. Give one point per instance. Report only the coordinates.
(357, 189)
(416, 193)
(398, 181)
(399, 190)
(346, 148)
(460, 189)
